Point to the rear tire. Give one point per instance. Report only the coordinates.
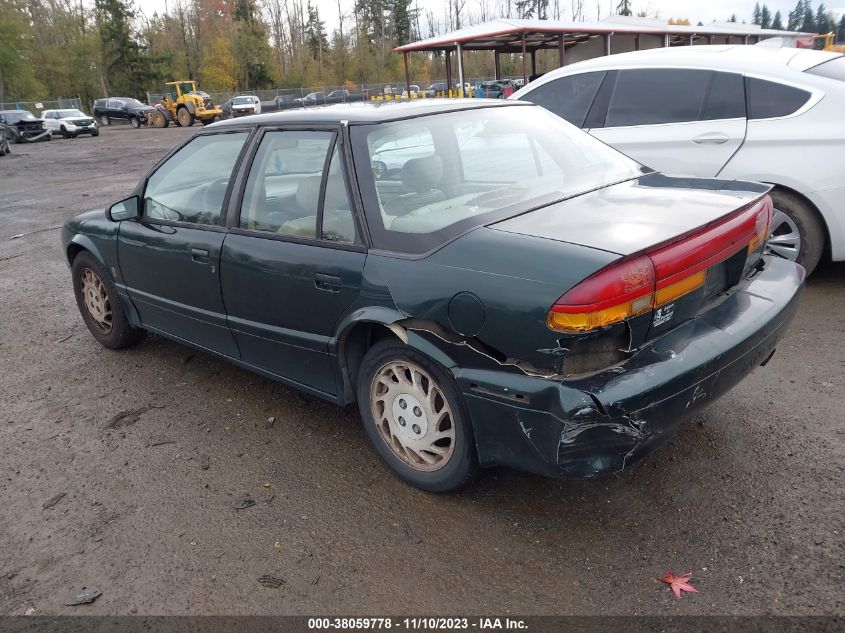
(104, 120)
(160, 119)
(99, 305)
(797, 232)
(416, 419)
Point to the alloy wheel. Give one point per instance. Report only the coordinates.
(412, 415)
(96, 300)
(785, 238)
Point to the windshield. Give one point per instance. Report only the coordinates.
(244, 100)
(64, 114)
(133, 103)
(428, 179)
(17, 115)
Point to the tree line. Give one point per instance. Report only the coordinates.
(95, 48)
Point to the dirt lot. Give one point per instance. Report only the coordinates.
(748, 497)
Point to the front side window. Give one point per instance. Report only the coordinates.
(428, 179)
(769, 99)
(568, 97)
(289, 190)
(191, 185)
(653, 96)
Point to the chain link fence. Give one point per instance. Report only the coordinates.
(36, 107)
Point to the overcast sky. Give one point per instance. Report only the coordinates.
(694, 10)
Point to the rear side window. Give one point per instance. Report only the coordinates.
(833, 69)
(568, 97)
(725, 98)
(656, 95)
(768, 99)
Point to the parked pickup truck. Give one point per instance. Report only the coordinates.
(281, 102)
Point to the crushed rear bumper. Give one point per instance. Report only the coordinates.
(599, 423)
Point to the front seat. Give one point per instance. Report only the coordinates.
(420, 178)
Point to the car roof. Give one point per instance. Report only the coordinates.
(778, 62)
(366, 112)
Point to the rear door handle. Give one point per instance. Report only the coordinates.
(199, 255)
(327, 282)
(711, 138)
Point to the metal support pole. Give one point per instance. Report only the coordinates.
(407, 75)
(497, 64)
(533, 63)
(691, 38)
(606, 39)
(448, 73)
(524, 68)
(666, 40)
(460, 70)
(561, 50)
(709, 39)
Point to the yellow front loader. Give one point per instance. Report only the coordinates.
(183, 104)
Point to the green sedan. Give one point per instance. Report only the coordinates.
(489, 284)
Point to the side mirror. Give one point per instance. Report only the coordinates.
(124, 210)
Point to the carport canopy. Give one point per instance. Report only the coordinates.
(575, 41)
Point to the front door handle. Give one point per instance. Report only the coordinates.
(711, 138)
(199, 255)
(327, 282)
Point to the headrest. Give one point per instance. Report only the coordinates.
(422, 174)
(308, 193)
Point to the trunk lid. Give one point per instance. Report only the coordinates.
(638, 214)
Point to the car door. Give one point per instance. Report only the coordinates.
(675, 120)
(170, 256)
(51, 121)
(293, 259)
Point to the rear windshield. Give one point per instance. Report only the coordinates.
(428, 179)
(833, 69)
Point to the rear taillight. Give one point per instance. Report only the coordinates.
(641, 283)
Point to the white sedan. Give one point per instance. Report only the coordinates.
(735, 112)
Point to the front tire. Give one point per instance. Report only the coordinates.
(97, 300)
(135, 122)
(797, 232)
(184, 117)
(416, 419)
(65, 133)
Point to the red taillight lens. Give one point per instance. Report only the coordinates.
(611, 295)
(636, 285)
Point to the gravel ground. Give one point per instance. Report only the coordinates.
(151, 447)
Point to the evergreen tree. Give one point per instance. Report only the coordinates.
(403, 16)
(624, 7)
(765, 17)
(756, 14)
(795, 16)
(777, 21)
(840, 32)
(808, 21)
(824, 22)
(251, 48)
(126, 70)
(732, 18)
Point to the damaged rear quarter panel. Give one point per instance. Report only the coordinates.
(516, 279)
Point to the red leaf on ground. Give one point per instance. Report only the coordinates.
(678, 583)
